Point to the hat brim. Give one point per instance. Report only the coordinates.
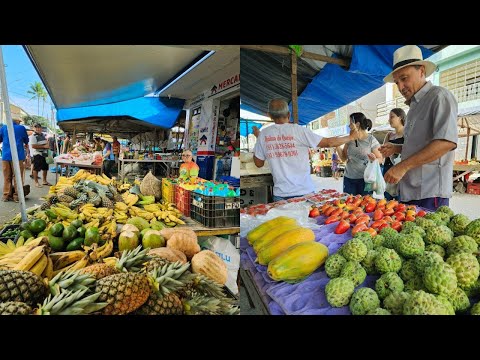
(430, 68)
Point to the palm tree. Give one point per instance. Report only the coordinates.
(38, 92)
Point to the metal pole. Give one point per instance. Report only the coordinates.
(11, 139)
(294, 88)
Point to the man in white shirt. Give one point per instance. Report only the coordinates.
(285, 147)
(40, 151)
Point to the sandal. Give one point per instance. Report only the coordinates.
(39, 185)
(47, 184)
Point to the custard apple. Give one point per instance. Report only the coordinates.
(354, 271)
(379, 311)
(388, 283)
(422, 303)
(426, 259)
(444, 217)
(446, 210)
(415, 283)
(413, 229)
(462, 244)
(440, 279)
(369, 262)
(473, 290)
(466, 268)
(425, 223)
(436, 249)
(387, 260)
(364, 300)
(473, 230)
(436, 218)
(410, 245)
(378, 241)
(334, 265)
(408, 225)
(390, 237)
(394, 302)
(408, 270)
(339, 291)
(475, 309)
(458, 223)
(459, 300)
(448, 305)
(440, 235)
(354, 250)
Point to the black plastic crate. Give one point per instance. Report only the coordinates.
(5, 229)
(215, 211)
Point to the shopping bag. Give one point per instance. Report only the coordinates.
(379, 190)
(370, 172)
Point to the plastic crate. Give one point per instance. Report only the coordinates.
(182, 199)
(473, 188)
(5, 229)
(168, 190)
(215, 211)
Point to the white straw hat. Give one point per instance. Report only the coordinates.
(409, 55)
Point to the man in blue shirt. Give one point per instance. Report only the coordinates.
(21, 139)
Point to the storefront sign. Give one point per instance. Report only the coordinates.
(224, 84)
(207, 127)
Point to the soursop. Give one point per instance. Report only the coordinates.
(440, 235)
(458, 223)
(339, 291)
(387, 260)
(354, 250)
(466, 268)
(334, 265)
(388, 283)
(354, 271)
(394, 302)
(440, 279)
(363, 301)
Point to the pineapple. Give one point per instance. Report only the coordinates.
(65, 199)
(123, 292)
(70, 280)
(23, 286)
(53, 199)
(201, 305)
(14, 308)
(106, 202)
(129, 261)
(157, 304)
(71, 303)
(71, 191)
(45, 206)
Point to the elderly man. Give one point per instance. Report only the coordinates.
(21, 139)
(285, 147)
(425, 172)
(40, 148)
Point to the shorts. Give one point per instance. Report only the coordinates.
(39, 163)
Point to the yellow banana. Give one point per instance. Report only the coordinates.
(68, 258)
(48, 271)
(20, 242)
(31, 258)
(177, 220)
(110, 261)
(11, 244)
(121, 206)
(40, 265)
(80, 264)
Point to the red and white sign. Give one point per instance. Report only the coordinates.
(225, 84)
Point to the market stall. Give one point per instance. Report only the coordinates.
(368, 263)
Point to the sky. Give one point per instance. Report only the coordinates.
(20, 75)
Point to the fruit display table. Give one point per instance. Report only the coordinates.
(204, 231)
(67, 164)
(166, 164)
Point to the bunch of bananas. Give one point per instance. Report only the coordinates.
(96, 252)
(90, 212)
(32, 257)
(10, 246)
(129, 198)
(108, 230)
(69, 260)
(62, 183)
(136, 211)
(124, 187)
(64, 212)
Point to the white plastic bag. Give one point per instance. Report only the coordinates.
(370, 174)
(379, 189)
(392, 189)
(228, 253)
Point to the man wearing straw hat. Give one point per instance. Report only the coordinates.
(425, 172)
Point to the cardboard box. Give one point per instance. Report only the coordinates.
(473, 188)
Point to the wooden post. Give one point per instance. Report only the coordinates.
(294, 87)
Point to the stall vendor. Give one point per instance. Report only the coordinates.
(188, 170)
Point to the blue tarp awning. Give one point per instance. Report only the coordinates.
(148, 109)
(246, 126)
(334, 87)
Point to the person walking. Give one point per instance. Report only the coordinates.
(40, 148)
(108, 157)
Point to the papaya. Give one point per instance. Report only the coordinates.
(261, 230)
(297, 262)
(272, 234)
(282, 243)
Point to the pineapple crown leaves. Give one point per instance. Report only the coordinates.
(169, 277)
(208, 287)
(71, 303)
(71, 280)
(131, 258)
(199, 304)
